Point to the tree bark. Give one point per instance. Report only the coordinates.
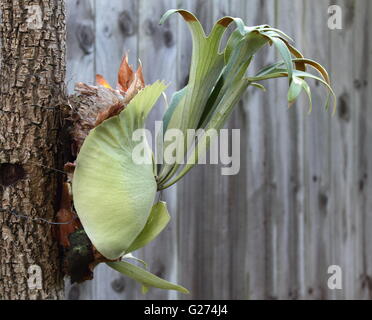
(32, 93)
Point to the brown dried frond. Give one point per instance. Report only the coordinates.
(66, 215)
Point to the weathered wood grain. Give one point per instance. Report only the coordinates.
(197, 245)
(342, 155)
(287, 212)
(316, 166)
(80, 42)
(362, 79)
(116, 34)
(261, 187)
(80, 68)
(231, 206)
(157, 41)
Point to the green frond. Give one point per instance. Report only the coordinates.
(218, 80)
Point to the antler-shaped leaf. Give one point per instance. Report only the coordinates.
(217, 82)
(187, 106)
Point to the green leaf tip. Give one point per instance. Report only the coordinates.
(157, 221)
(188, 16)
(295, 90)
(226, 21)
(144, 277)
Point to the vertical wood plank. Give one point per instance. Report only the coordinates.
(196, 243)
(362, 166)
(261, 186)
(342, 155)
(288, 148)
(80, 42)
(229, 196)
(317, 250)
(80, 67)
(116, 34)
(158, 53)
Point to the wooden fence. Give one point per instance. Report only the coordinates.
(302, 199)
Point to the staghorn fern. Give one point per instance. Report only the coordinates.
(114, 196)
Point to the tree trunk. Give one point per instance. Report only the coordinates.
(32, 92)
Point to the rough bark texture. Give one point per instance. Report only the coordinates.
(32, 92)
